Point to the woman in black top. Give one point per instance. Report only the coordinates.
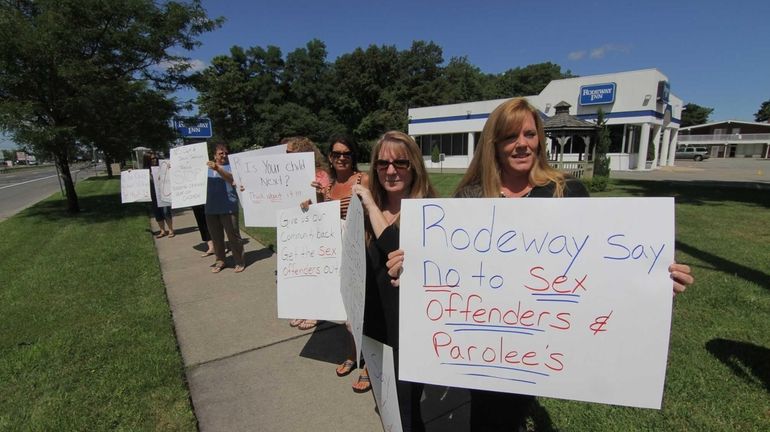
(511, 162)
(397, 172)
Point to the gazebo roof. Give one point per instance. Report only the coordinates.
(563, 122)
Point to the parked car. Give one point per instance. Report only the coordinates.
(695, 153)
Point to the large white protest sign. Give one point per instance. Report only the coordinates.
(379, 363)
(189, 175)
(567, 298)
(309, 252)
(135, 186)
(238, 162)
(272, 182)
(162, 183)
(353, 271)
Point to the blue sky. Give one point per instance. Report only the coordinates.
(715, 53)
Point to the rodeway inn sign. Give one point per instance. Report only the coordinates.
(192, 127)
(597, 94)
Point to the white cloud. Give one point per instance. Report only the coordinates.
(600, 52)
(196, 65)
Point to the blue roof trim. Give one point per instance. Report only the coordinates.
(460, 117)
(450, 118)
(625, 114)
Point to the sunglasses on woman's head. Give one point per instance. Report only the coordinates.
(338, 154)
(402, 164)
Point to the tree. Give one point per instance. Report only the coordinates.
(138, 116)
(237, 89)
(9, 154)
(763, 114)
(602, 162)
(57, 54)
(527, 81)
(362, 79)
(693, 114)
(464, 82)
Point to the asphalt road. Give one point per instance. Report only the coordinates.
(22, 188)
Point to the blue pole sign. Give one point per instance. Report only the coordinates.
(597, 94)
(191, 127)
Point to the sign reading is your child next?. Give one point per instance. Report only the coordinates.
(566, 298)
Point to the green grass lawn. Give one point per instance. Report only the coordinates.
(718, 376)
(87, 341)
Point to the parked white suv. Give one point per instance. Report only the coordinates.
(695, 153)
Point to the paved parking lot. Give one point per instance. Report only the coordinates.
(740, 170)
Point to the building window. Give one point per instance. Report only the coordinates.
(616, 139)
(449, 144)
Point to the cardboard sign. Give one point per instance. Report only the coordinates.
(309, 252)
(272, 182)
(566, 298)
(379, 363)
(162, 183)
(190, 175)
(353, 271)
(135, 186)
(238, 160)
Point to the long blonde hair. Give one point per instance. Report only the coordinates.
(504, 121)
(420, 187)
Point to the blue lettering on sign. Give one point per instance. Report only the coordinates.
(597, 94)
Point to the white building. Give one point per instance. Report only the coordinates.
(642, 115)
(729, 139)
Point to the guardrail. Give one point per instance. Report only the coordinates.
(577, 169)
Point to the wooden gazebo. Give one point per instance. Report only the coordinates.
(563, 129)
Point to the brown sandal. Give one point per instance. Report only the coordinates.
(363, 379)
(345, 368)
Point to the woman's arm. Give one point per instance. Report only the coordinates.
(221, 171)
(376, 218)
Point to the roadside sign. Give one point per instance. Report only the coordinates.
(191, 127)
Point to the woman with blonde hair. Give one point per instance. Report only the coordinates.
(510, 162)
(397, 172)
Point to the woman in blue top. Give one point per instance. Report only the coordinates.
(222, 211)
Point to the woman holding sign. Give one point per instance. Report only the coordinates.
(397, 172)
(162, 214)
(222, 211)
(510, 162)
(344, 175)
(300, 144)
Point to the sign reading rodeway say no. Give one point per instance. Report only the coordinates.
(566, 298)
(193, 127)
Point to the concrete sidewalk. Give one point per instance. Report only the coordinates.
(246, 369)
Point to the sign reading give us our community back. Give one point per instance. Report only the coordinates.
(567, 298)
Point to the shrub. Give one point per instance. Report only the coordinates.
(597, 183)
(435, 155)
(602, 166)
